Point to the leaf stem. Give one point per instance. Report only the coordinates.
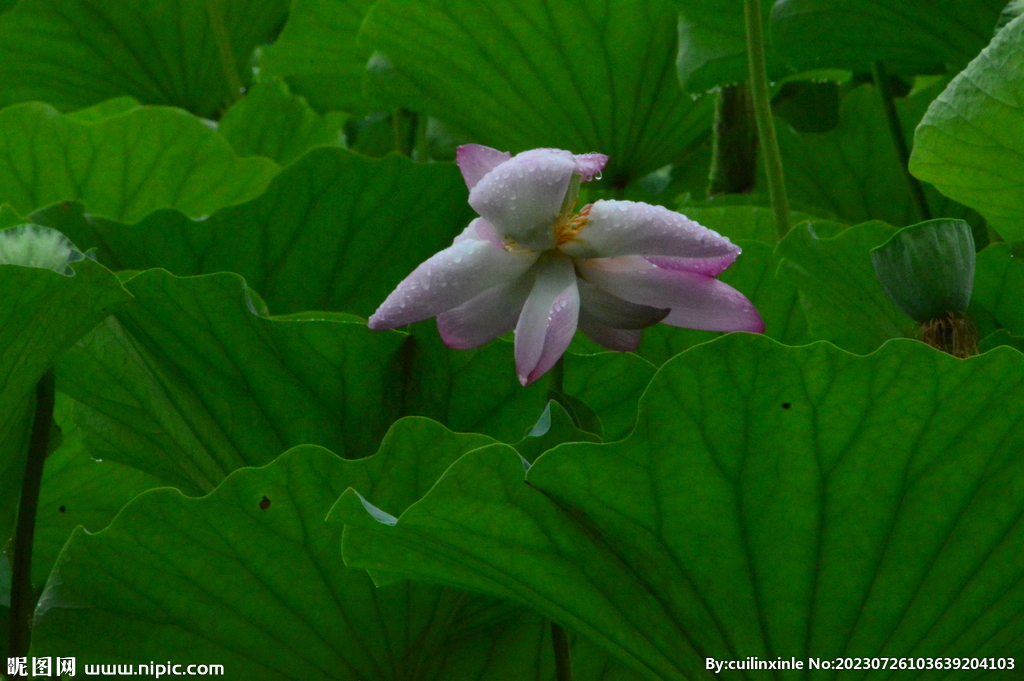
(734, 145)
(22, 594)
(563, 660)
(763, 114)
(896, 132)
(227, 55)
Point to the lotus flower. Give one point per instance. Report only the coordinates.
(530, 263)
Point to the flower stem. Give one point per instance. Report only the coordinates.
(403, 127)
(763, 114)
(22, 594)
(557, 377)
(227, 55)
(563, 658)
(563, 661)
(896, 132)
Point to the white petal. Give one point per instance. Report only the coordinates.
(611, 311)
(522, 197)
(696, 301)
(616, 228)
(589, 165)
(480, 230)
(709, 267)
(484, 318)
(548, 320)
(622, 340)
(476, 160)
(449, 279)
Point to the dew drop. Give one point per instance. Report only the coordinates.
(599, 175)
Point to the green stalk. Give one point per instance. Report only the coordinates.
(563, 658)
(734, 145)
(563, 661)
(896, 132)
(23, 599)
(403, 128)
(763, 114)
(227, 55)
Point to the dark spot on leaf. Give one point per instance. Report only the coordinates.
(264, 503)
(62, 509)
(786, 405)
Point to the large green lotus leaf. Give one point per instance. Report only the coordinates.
(554, 427)
(772, 501)
(583, 75)
(753, 274)
(970, 144)
(997, 300)
(251, 577)
(188, 384)
(913, 35)
(43, 314)
(122, 167)
(270, 121)
(713, 44)
(76, 53)
(78, 490)
(318, 55)
(611, 384)
(468, 390)
(335, 231)
(841, 296)
(854, 170)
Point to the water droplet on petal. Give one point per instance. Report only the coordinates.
(599, 175)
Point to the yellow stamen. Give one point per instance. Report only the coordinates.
(567, 228)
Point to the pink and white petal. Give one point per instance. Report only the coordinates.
(621, 340)
(616, 228)
(484, 318)
(709, 267)
(696, 301)
(589, 165)
(448, 279)
(523, 197)
(548, 320)
(480, 230)
(611, 311)
(476, 160)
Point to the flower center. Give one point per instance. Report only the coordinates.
(569, 226)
